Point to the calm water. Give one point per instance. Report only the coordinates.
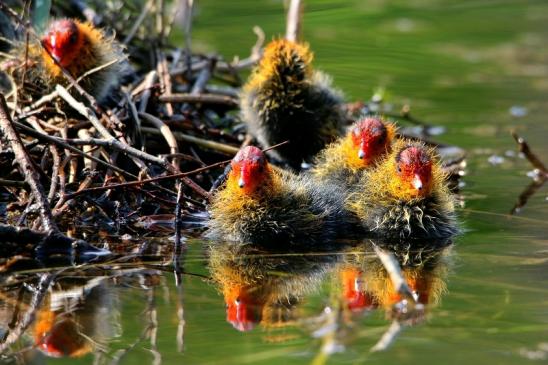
(479, 68)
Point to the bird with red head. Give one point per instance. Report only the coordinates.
(77, 48)
(264, 205)
(405, 196)
(367, 142)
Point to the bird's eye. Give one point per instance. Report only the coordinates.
(73, 37)
(399, 169)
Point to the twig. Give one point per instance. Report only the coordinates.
(64, 143)
(27, 167)
(529, 191)
(531, 157)
(393, 268)
(177, 242)
(56, 161)
(164, 130)
(37, 298)
(231, 150)
(186, 20)
(161, 178)
(165, 79)
(200, 98)
(14, 183)
(203, 78)
(293, 26)
(122, 147)
(148, 82)
(388, 337)
(146, 181)
(138, 22)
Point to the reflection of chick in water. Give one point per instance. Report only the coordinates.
(75, 319)
(264, 286)
(367, 285)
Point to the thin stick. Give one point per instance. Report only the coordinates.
(177, 243)
(29, 316)
(122, 147)
(199, 98)
(138, 22)
(146, 181)
(293, 26)
(56, 161)
(186, 19)
(165, 79)
(388, 337)
(393, 268)
(529, 191)
(14, 183)
(531, 157)
(160, 178)
(27, 166)
(167, 133)
(231, 150)
(148, 82)
(63, 143)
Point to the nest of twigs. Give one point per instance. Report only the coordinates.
(140, 162)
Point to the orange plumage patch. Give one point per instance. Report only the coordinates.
(280, 55)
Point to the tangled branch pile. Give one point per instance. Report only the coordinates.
(109, 165)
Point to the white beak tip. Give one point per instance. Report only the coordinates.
(417, 183)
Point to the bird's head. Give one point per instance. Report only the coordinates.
(371, 139)
(242, 310)
(250, 169)
(63, 40)
(414, 170)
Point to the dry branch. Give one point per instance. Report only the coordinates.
(27, 167)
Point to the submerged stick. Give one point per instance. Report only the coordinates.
(538, 182)
(27, 167)
(393, 268)
(39, 294)
(388, 337)
(530, 155)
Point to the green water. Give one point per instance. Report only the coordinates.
(460, 64)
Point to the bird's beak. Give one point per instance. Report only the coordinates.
(361, 152)
(244, 177)
(55, 56)
(54, 53)
(417, 182)
(241, 315)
